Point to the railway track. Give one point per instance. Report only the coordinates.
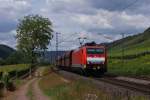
(128, 85)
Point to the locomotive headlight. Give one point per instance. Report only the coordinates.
(84, 66)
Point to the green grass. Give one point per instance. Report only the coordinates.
(17, 67)
(57, 89)
(135, 67)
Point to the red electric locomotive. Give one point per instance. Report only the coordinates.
(86, 59)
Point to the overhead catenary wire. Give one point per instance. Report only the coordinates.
(106, 37)
(70, 36)
(123, 34)
(131, 4)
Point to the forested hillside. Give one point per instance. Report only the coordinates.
(5, 51)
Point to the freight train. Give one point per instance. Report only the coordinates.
(86, 59)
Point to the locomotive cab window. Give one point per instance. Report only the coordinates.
(95, 51)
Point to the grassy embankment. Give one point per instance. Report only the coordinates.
(132, 45)
(58, 88)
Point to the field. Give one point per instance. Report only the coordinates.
(133, 46)
(133, 67)
(10, 68)
(13, 71)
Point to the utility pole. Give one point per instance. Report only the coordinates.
(57, 45)
(123, 52)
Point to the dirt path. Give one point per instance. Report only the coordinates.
(38, 95)
(21, 94)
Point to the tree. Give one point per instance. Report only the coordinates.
(13, 58)
(33, 35)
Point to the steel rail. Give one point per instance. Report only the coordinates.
(128, 85)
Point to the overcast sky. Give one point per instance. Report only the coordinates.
(94, 19)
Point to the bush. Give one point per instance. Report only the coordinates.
(8, 83)
(1, 89)
(5, 78)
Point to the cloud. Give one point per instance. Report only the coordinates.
(111, 5)
(10, 12)
(105, 21)
(86, 17)
(7, 25)
(8, 38)
(14, 8)
(121, 5)
(71, 6)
